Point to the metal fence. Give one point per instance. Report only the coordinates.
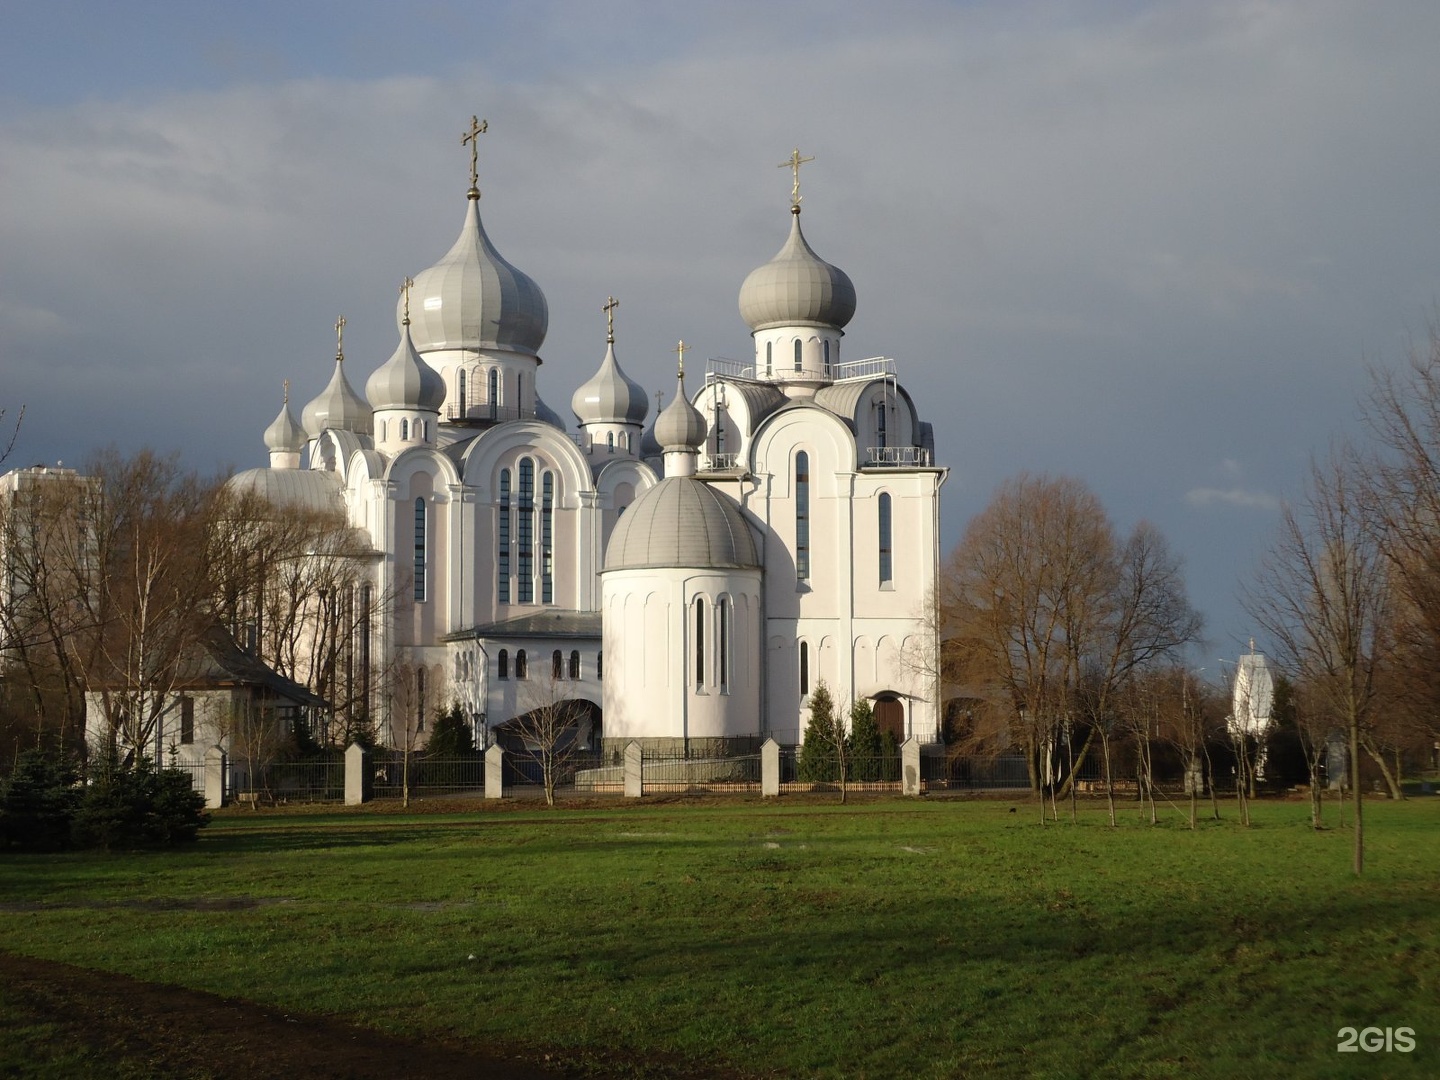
(318, 779)
(427, 776)
(819, 771)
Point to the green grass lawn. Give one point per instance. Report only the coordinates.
(919, 938)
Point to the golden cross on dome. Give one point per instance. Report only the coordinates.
(340, 338)
(405, 287)
(287, 391)
(471, 138)
(793, 164)
(680, 352)
(609, 308)
(659, 397)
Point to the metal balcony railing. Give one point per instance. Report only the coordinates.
(897, 457)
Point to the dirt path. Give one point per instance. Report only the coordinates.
(170, 1031)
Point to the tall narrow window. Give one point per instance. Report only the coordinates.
(461, 395)
(886, 562)
(520, 394)
(420, 548)
(420, 699)
(522, 666)
(610, 442)
(802, 516)
(404, 430)
(827, 356)
(525, 531)
(557, 665)
(722, 672)
(719, 429)
(504, 664)
(494, 392)
(187, 720)
(699, 642)
(769, 358)
(574, 663)
(547, 539)
(804, 669)
(502, 555)
(365, 632)
(799, 360)
(600, 665)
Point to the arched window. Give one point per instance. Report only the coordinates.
(461, 395)
(522, 667)
(574, 663)
(547, 539)
(557, 665)
(802, 516)
(520, 393)
(699, 642)
(494, 391)
(525, 531)
(502, 550)
(419, 699)
(504, 662)
(610, 442)
(600, 665)
(769, 358)
(366, 628)
(420, 548)
(627, 442)
(799, 360)
(886, 562)
(881, 418)
(422, 430)
(722, 672)
(382, 430)
(827, 356)
(404, 430)
(804, 669)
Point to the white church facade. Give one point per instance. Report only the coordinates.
(694, 574)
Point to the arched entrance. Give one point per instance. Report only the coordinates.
(890, 716)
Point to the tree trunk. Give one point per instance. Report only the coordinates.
(1109, 778)
(1390, 781)
(1355, 787)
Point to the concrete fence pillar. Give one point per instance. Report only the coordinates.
(215, 765)
(770, 768)
(495, 772)
(634, 771)
(359, 776)
(910, 766)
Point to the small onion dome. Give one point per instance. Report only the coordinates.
(337, 406)
(649, 445)
(405, 381)
(474, 299)
(680, 426)
(285, 435)
(611, 396)
(681, 522)
(546, 415)
(797, 287)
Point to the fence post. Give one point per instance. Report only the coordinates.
(495, 772)
(215, 764)
(910, 766)
(634, 771)
(769, 768)
(359, 776)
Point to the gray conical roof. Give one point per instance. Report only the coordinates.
(474, 299)
(337, 406)
(405, 381)
(284, 434)
(797, 287)
(681, 522)
(610, 396)
(680, 426)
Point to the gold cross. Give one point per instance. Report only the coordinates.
(287, 391)
(340, 338)
(659, 397)
(471, 138)
(793, 164)
(609, 308)
(405, 287)
(680, 352)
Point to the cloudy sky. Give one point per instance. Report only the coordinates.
(1152, 245)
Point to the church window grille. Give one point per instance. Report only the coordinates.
(547, 539)
(557, 665)
(503, 550)
(723, 643)
(886, 558)
(699, 643)
(574, 663)
(804, 669)
(610, 442)
(420, 540)
(802, 516)
(504, 663)
(799, 359)
(494, 392)
(522, 665)
(404, 430)
(525, 532)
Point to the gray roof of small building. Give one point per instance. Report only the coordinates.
(306, 489)
(681, 522)
(550, 623)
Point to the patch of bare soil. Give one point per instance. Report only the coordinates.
(187, 1033)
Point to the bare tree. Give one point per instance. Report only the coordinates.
(1323, 595)
(552, 731)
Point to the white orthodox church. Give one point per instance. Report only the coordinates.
(775, 525)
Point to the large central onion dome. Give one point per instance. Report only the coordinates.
(797, 288)
(474, 299)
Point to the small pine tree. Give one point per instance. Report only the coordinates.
(866, 746)
(450, 737)
(37, 802)
(819, 754)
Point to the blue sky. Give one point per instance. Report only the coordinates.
(1155, 246)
